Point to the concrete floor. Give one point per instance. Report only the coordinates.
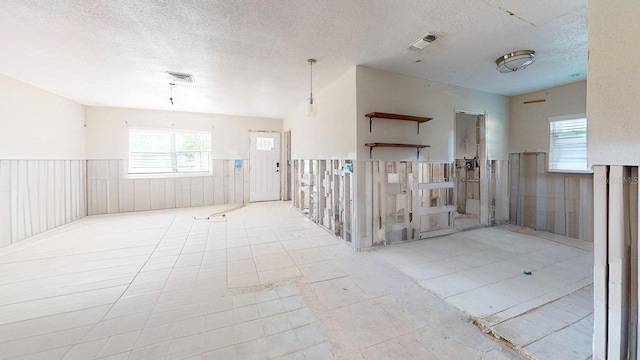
(545, 315)
(262, 283)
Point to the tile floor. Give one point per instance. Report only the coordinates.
(263, 282)
(545, 315)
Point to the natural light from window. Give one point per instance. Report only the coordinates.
(568, 144)
(160, 151)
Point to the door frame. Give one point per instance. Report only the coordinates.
(287, 167)
(483, 217)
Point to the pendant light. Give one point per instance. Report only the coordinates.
(171, 86)
(312, 106)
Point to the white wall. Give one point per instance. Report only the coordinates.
(613, 107)
(529, 127)
(383, 91)
(35, 124)
(332, 133)
(107, 130)
(42, 169)
(614, 82)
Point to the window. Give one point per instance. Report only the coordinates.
(568, 143)
(265, 144)
(158, 151)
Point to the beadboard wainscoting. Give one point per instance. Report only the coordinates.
(110, 190)
(39, 195)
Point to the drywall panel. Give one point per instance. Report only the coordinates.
(157, 194)
(110, 190)
(554, 202)
(207, 190)
(613, 88)
(197, 191)
(37, 124)
(230, 134)
(141, 195)
(331, 134)
(5, 203)
(383, 91)
(529, 123)
(38, 195)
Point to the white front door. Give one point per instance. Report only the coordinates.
(264, 166)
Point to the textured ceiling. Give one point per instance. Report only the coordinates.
(249, 57)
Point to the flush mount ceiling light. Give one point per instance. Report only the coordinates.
(514, 61)
(181, 77)
(312, 106)
(423, 42)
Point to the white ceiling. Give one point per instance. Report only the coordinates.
(250, 57)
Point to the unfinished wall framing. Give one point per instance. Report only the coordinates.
(110, 190)
(407, 200)
(615, 283)
(412, 200)
(561, 203)
(323, 191)
(39, 195)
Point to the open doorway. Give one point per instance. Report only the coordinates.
(469, 156)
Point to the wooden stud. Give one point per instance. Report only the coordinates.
(617, 286)
(600, 262)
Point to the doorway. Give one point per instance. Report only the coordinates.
(264, 166)
(470, 154)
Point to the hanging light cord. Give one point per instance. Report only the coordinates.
(311, 81)
(171, 85)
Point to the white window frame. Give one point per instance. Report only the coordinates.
(555, 119)
(175, 171)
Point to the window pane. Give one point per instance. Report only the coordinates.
(265, 144)
(193, 141)
(568, 145)
(193, 161)
(149, 163)
(149, 141)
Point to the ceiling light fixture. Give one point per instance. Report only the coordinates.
(514, 61)
(312, 106)
(423, 42)
(181, 77)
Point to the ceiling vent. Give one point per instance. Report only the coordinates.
(181, 77)
(423, 42)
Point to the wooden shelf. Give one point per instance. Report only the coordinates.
(381, 115)
(377, 144)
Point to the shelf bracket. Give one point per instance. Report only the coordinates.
(370, 120)
(370, 152)
(418, 128)
(418, 156)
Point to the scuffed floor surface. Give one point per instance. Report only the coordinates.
(266, 283)
(547, 314)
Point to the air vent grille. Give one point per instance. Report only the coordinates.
(181, 77)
